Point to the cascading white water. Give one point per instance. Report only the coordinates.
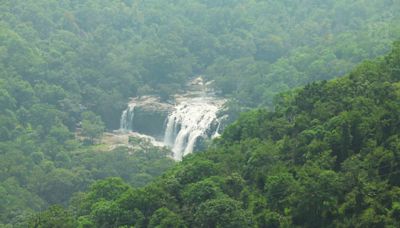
(191, 120)
(216, 133)
(194, 116)
(126, 122)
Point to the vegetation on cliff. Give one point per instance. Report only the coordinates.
(328, 156)
(70, 66)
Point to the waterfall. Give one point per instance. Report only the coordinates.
(191, 120)
(216, 133)
(126, 122)
(193, 117)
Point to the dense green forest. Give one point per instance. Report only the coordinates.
(329, 156)
(96, 54)
(68, 67)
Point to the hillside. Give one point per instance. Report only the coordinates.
(97, 54)
(328, 156)
(68, 69)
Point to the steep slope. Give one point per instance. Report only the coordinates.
(67, 69)
(328, 156)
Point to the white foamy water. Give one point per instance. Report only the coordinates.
(192, 119)
(127, 118)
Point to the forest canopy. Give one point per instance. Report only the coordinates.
(68, 68)
(329, 156)
(96, 54)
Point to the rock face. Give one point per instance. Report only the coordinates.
(182, 126)
(146, 115)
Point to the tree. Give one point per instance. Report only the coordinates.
(222, 212)
(54, 217)
(92, 126)
(196, 193)
(57, 186)
(165, 218)
(315, 203)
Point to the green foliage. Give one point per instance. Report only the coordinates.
(73, 64)
(163, 218)
(95, 55)
(92, 126)
(55, 216)
(328, 156)
(221, 213)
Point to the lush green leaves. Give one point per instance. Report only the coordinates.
(328, 156)
(73, 64)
